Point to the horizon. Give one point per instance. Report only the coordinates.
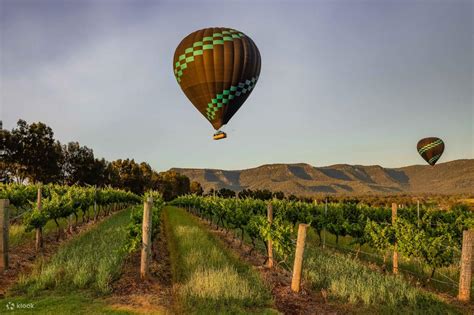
(358, 77)
(322, 166)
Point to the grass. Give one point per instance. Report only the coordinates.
(209, 278)
(444, 280)
(91, 260)
(349, 280)
(55, 303)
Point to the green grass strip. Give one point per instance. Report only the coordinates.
(210, 279)
(56, 303)
(89, 261)
(349, 280)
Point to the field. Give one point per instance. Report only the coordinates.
(196, 158)
(208, 277)
(209, 255)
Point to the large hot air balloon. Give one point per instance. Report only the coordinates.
(430, 149)
(217, 68)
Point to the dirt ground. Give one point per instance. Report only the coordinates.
(151, 296)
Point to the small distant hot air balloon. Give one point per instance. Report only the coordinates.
(217, 69)
(430, 149)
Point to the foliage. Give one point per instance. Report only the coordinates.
(196, 188)
(247, 215)
(30, 154)
(349, 280)
(432, 239)
(91, 260)
(134, 228)
(60, 201)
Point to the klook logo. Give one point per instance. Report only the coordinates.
(12, 306)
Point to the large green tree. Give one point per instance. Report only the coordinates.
(79, 165)
(172, 184)
(30, 152)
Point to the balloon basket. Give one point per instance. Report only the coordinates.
(219, 135)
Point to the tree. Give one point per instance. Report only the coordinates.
(196, 188)
(172, 184)
(130, 175)
(79, 165)
(256, 194)
(8, 167)
(32, 153)
(279, 195)
(104, 174)
(226, 193)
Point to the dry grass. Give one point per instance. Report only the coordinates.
(209, 279)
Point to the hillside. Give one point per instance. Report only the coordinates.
(304, 179)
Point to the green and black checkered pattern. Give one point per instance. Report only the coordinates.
(217, 69)
(228, 95)
(197, 49)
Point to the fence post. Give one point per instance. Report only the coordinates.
(418, 212)
(95, 204)
(325, 218)
(4, 221)
(297, 266)
(269, 244)
(39, 232)
(466, 266)
(146, 238)
(395, 252)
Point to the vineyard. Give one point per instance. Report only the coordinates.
(200, 254)
(36, 205)
(426, 235)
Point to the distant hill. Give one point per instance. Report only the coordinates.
(304, 179)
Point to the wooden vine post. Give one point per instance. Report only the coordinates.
(418, 212)
(4, 221)
(146, 238)
(395, 252)
(95, 204)
(298, 264)
(269, 244)
(466, 266)
(325, 216)
(39, 232)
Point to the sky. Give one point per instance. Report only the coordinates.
(356, 82)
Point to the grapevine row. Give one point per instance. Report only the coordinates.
(59, 201)
(431, 235)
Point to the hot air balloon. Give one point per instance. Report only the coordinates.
(217, 69)
(430, 149)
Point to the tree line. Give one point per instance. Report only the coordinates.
(260, 194)
(31, 154)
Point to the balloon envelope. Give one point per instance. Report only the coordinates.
(217, 68)
(430, 149)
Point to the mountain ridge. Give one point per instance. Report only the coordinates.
(305, 180)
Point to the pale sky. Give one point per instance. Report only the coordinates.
(357, 82)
